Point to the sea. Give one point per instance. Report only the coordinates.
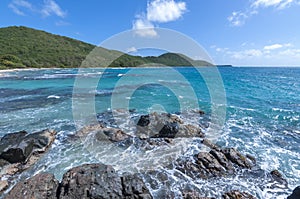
(253, 109)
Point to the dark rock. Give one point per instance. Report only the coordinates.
(144, 121)
(237, 195)
(236, 157)
(295, 194)
(88, 129)
(39, 186)
(279, 179)
(216, 162)
(211, 145)
(169, 130)
(18, 147)
(100, 181)
(163, 125)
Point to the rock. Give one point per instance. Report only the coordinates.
(163, 125)
(100, 181)
(144, 121)
(88, 129)
(236, 157)
(39, 186)
(3, 185)
(113, 134)
(216, 162)
(20, 150)
(295, 194)
(209, 144)
(279, 179)
(18, 147)
(237, 195)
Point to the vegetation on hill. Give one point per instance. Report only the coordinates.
(22, 47)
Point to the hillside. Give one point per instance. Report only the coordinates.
(22, 47)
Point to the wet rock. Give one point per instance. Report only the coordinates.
(20, 150)
(18, 147)
(237, 195)
(295, 194)
(40, 186)
(209, 144)
(100, 181)
(216, 162)
(144, 121)
(113, 134)
(279, 180)
(88, 129)
(236, 157)
(164, 125)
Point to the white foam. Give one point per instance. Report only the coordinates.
(53, 96)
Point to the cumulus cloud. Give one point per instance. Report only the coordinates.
(18, 6)
(165, 10)
(158, 11)
(237, 18)
(51, 7)
(276, 46)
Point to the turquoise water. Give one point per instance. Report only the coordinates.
(262, 113)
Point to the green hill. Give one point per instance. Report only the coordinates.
(22, 47)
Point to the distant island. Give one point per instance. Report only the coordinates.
(23, 47)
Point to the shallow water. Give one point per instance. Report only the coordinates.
(262, 119)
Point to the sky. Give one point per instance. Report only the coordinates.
(241, 33)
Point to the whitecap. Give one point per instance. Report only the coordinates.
(53, 96)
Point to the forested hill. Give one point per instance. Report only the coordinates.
(22, 47)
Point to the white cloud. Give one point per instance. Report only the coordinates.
(51, 7)
(273, 47)
(269, 55)
(237, 18)
(144, 28)
(165, 10)
(18, 6)
(131, 50)
(280, 4)
(158, 11)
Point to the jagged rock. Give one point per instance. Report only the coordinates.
(216, 162)
(209, 144)
(279, 179)
(18, 147)
(236, 157)
(237, 195)
(39, 186)
(20, 150)
(100, 181)
(295, 194)
(165, 125)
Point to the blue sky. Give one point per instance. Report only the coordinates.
(247, 32)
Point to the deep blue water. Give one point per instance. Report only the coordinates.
(262, 111)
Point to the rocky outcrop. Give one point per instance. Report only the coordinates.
(237, 195)
(20, 150)
(165, 125)
(83, 182)
(295, 194)
(216, 162)
(39, 186)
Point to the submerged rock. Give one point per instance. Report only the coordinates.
(42, 185)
